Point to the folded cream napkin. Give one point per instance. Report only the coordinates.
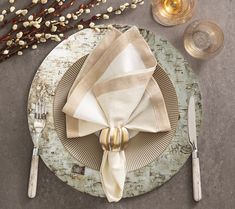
(116, 96)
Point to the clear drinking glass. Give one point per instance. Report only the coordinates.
(173, 12)
(203, 39)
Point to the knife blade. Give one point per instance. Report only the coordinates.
(192, 131)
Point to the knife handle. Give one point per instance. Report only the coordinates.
(33, 176)
(197, 190)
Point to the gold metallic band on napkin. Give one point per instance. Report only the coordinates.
(114, 139)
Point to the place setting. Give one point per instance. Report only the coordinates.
(78, 151)
(114, 110)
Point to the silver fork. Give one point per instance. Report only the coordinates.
(39, 124)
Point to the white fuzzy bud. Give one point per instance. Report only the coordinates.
(141, 3)
(61, 35)
(9, 43)
(18, 12)
(118, 12)
(19, 35)
(4, 12)
(92, 24)
(26, 24)
(30, 18)
(43, 40)
(14, 27)
(47, 23)
(21, 43)
(38, 35)
(110, 26)
(80, 27)
(110, 9)
(122, 7)
(97, 29)
(1, 18)
(75, 17)
(6, 51)
(55, 38)
(62, 23)
(47, 35)
(69, 16)
(134, 1)
(12, 9)
(43, 1)
(51, 10)
(105, 17)
(11, 1)
(34, 46)
(53, 28)
(87, 11)
(104, 1)
(36, 24)
(24, 12)
(20, 53)
(62, 19)
(39, 19)
(35, 1)
(80, 11)
(133, 6)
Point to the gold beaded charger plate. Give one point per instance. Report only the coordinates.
(68, 168)
(141, 150)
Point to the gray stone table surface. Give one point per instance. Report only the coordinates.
(216, 141)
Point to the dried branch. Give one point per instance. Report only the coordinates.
(50, 22)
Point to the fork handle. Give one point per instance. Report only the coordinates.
(33, 176)
(197, 190)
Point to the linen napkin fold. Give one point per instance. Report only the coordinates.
(116, 94)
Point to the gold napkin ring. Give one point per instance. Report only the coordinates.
(114, 139)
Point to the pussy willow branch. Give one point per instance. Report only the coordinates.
(13, 19)
(46, 16)
(53, 25)
(40, 13)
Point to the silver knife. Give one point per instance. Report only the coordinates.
(197, 191)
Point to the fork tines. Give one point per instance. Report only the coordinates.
(40, 110)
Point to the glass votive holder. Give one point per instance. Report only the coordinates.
(173, 12)
(203, 39)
